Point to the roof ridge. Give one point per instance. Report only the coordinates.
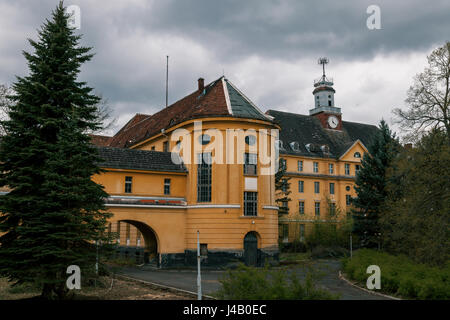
(133, 150)
(124, 127)
(246, 98)
(364, 124)
(147, 116)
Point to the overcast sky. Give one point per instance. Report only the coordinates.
(268, 49)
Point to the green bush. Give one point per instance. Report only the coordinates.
(295, 246)
(400, 275)
(248, 283)
(24, 288)
(330, 233)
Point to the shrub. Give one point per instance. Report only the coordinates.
(330, 233)
(400, 275)
(248, 283)
(294, 246)
(321, 252)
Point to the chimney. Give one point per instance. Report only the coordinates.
(201, 84)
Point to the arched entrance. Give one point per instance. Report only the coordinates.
(251, 249)
(137, 240)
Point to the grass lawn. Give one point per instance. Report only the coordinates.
(400, 276)
(121, 290)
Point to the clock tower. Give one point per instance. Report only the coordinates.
(330, 117)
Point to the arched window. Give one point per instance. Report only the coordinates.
(204, 139)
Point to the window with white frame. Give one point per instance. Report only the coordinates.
(204, 174)
(332, 209)
(316, 167)
(128, 184)
(301, 207)
(317, 208)
(301, 186)
(347, 169)
(250, 203)
(166, 186)
(250, 163)
(316, 187)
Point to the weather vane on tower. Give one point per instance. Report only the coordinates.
(323, 61)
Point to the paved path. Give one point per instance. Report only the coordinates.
(187, 279)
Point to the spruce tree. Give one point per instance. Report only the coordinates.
(371, 186)
(54, 211)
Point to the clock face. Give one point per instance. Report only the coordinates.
(333, 121)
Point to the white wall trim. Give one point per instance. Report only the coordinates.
(199, 206)
(271, 207)
(227, 97)
(124, 205)
(146, 198)
(209, 206)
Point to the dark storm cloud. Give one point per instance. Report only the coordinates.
(131, 39)
(289, 29)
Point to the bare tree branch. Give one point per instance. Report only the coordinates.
(429, 96)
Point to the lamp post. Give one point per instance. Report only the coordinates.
(199, 277)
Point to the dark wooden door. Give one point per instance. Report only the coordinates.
(251, 249)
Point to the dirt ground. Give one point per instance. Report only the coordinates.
(120, 290)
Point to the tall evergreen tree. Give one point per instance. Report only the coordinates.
(370, 186)
(54, 212)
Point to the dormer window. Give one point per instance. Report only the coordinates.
(295, 146)
(325, 148)
(279, 144)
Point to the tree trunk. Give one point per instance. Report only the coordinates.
(47, 292)
(61, 291)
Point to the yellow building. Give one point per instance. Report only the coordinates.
(322, 155)
(160, 204)
(165, 192)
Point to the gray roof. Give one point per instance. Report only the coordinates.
(308, 130)
(121, 158)
(241, 106)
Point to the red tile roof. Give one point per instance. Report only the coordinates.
(207, 103)
(101, 141)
